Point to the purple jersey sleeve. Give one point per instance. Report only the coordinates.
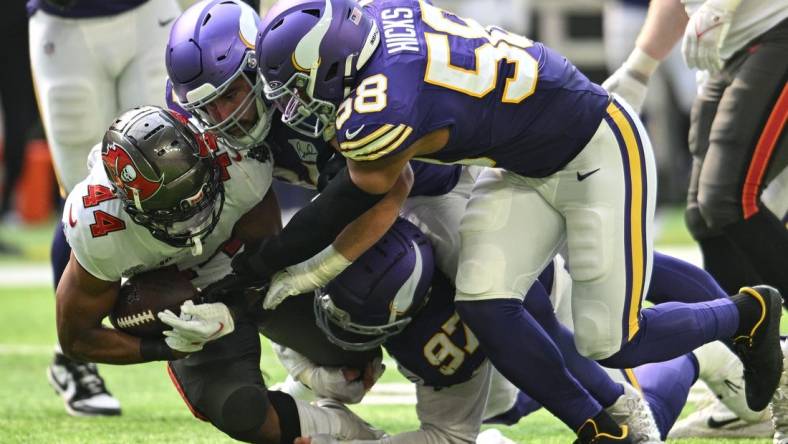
(374, 122)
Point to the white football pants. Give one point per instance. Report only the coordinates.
(88, 70)
(601, 204)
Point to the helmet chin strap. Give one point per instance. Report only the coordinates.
(137, 202)
(196, 249)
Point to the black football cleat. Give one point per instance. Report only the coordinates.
(81, 388)
(602, 429)
(759, 349)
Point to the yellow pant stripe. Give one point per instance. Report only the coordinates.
(636, 213)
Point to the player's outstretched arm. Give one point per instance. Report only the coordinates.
(352, 242)
(83, 301)
(664, 26)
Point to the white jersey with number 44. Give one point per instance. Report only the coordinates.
(110, 245)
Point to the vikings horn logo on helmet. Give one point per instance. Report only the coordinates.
(125, 174)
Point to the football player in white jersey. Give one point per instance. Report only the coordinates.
(164, 195)
(90, 60)
(736, 138)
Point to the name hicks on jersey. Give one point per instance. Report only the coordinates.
(399, 30)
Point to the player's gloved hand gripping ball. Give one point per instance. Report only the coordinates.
(196, 325)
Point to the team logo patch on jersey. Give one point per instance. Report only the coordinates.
(125, 174)
(306, 150)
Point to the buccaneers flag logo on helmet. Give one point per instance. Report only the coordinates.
(125, 174)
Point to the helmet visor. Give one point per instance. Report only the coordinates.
(347, 334)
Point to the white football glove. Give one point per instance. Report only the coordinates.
(630, 88)
(331, 382)
(196, 325)
(305, 277)
(630, 81)
(705, 33)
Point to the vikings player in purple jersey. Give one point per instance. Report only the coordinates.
(393, 295)
(211, 64)
(402, 79)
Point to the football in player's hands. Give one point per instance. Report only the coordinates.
(142, 296)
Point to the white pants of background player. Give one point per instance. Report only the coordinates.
(87, 70)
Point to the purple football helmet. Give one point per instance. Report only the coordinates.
(211, 46)
(377, 296)
(308, 53)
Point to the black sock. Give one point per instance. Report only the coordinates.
(727, 263)
(750, 311)
(289, 424)
(764, 240)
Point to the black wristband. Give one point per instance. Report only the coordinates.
(152, 349)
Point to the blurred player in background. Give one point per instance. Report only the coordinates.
(18, 103)
(91, 59)
(737, 124)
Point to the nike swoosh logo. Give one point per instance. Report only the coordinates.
(71, 220)
(714, 424)
(218, 330)
(166, 22)
(699, 33)
(62, 384)
(349, 135)
(582, 177)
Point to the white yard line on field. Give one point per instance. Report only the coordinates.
(25, 275)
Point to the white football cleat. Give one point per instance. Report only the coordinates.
(779, 404)
(723, 374)
(716, 420)
(632, 410)
(81, 388)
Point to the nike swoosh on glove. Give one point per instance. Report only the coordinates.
(196, 325)
(704, 35)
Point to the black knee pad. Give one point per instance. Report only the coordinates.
(719, 209)
(697, 225)
(244, 411)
